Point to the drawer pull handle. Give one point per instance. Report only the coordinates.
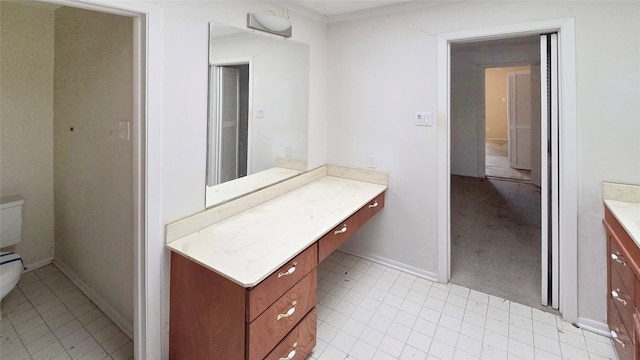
(292, 353)
(616, 295)
(375, 204)
(619, 259)
(289, 312)
(614, 336)
(291, 270)
(341, 231)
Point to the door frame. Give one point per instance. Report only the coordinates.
(150, 262)
(568, 193)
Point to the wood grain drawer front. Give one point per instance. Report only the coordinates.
(619, 264)
(276, 322)
(622, 299)
(297, 345)
(621, 338)
(366, 212)
(278, 283)
(334, 238)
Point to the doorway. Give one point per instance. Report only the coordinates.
(506, 150)
(566, 206)
(495, 217)
(135, 126)
(231, 88)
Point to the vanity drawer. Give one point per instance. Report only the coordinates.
(619, 263)
(302, 339)
(338, 235)
(622, 340)
(276, 322)
(366, 212)
(278, 283)
(622, 298)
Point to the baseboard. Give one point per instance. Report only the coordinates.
(117, 319)
(593, 326)
(421, 273)
(38, 264)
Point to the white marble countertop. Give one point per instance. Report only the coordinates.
(232, 189)
(624, 203)
(249, 246)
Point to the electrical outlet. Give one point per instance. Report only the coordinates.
(371, 161)
(288, 150)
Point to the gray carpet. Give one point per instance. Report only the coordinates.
(495, 236)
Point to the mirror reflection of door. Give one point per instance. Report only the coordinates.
(232, 122)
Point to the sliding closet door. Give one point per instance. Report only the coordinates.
(549, 174)
(229, 113)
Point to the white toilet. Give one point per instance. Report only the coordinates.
(11, 224)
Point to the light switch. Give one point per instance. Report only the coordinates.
(260, 113)
(424, 118)
(123, 130)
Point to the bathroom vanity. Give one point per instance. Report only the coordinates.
(243, 274)
(622, 224)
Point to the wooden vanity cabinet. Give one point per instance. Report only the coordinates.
(212, 317)
(623, 288)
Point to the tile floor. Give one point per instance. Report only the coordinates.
(47, 317)
(367, 311)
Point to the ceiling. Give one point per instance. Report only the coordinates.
(339, 7)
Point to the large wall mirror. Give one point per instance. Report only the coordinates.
(258, 111)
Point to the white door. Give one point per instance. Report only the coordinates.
(550, 169)
(519, 118)
(228, 119)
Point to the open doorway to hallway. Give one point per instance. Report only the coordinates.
(495, 210)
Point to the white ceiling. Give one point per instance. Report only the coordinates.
(339, 7)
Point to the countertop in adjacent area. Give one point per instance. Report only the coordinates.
(249, 246)
(624, 203)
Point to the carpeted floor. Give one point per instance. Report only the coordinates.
(495, 236)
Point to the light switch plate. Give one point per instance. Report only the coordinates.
(424, 118)
(123, 129)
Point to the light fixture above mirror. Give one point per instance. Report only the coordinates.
(270, 23)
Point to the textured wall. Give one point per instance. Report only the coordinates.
(26, 122)
(93, 184)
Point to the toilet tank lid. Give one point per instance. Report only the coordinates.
(11, 201)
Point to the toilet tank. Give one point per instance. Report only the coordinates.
(10, 220)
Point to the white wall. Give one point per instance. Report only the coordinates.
(93, 178)
(383, 70)
(26, 118)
